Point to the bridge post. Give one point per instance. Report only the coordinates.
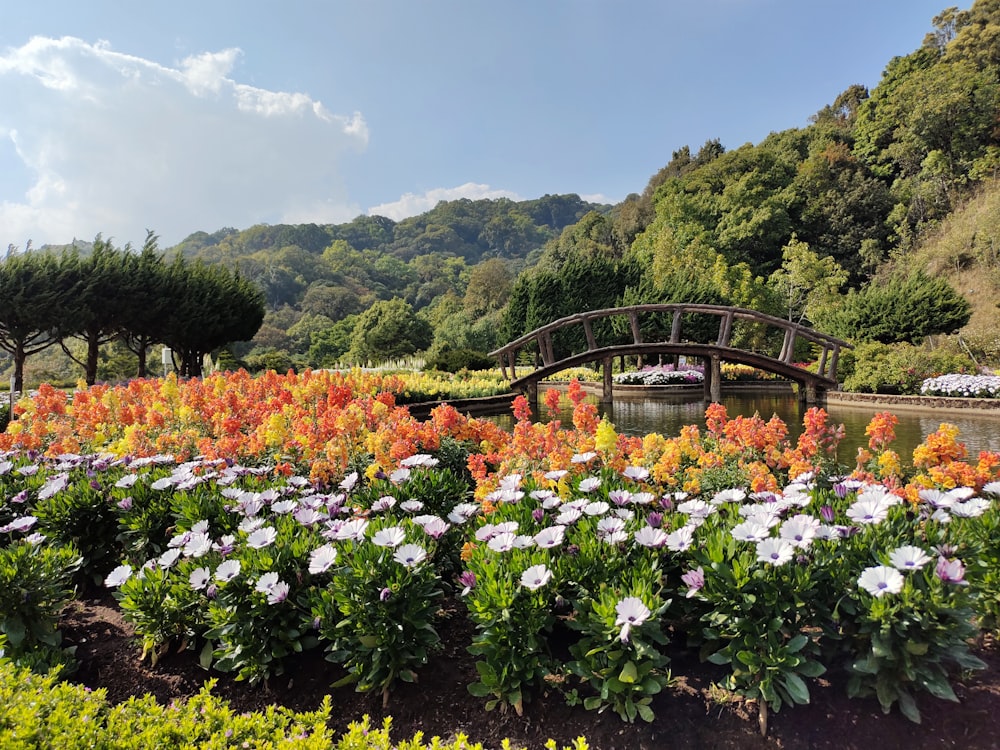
(531, 393)
(607, 392)
(713, 379)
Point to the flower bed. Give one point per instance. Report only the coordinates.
(777, 564)
(962, 386)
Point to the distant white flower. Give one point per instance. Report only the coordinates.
(881, 579)
(307, 516)
(992, 488)
(118, 576)
(647, 536)
(411, 506)
(775, 551)
(435, 527)
(631, 614)
(972, 508)
(503, 542)
(410, 555)
(248, 525)
(321, 558)
(463, 512)
(643, 498)
(637, 473)
(383, 503)
(610, 526)
(734, 495)
(168, 558)
(549, 537)
(199, 578)
(198, 545)
(227, 571)
(266, 582)
(391, 536)
(419, 459)
(868, 510)
(800, 530)
(262, 537)
(589, 484)
(598, 508)
(555, 475)
(510, 482)
(399, 476)
(353, 529)
(680, 540)
(908, 557)
(695, 508)
(750, 531)
(568, 516)
(348, 482)
(284, 506)
(535, 577)
(582, 458)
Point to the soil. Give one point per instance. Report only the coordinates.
(692, 713)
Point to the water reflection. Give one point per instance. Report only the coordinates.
(634, 415)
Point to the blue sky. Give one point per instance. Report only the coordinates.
(185, 116)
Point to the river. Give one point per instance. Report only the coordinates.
(666, 414)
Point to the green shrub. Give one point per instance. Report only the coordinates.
(35, 585)
(38, 711)
(453, 360)
(901, 368)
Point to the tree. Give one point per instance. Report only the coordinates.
(389, 329)
(902, 308)
(32, 301)
(489, 287)
(805, 281)
(104, 296)
(213, 306)
(150, 303)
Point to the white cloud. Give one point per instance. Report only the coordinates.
(412, 204)
(114, 143)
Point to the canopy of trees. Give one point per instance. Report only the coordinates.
(110, 293)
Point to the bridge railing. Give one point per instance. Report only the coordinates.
(541, 339)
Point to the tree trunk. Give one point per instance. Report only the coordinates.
(93, 350)
(19, 359)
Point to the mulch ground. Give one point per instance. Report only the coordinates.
(692, 713)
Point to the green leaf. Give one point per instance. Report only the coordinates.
(748, 657)
(796, 688)
(205, 658)
(719, 657)
(645, 712)
(628, 674)
(917, 649)
(479, 690)
(939, 687)
(908, 707)
(408, 675)
(797, 643)
(811, 669)
(592, 703)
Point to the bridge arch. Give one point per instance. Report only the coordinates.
(630, 333)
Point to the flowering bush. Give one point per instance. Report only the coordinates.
(661, 375)
(962, 386)
(777, 563)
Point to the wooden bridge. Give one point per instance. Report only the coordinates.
(645, 331)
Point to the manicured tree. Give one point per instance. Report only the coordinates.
(32, 305)
(211, 307)
(101, 300)
(148, 303)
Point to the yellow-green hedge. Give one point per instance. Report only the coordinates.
(43, 712)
